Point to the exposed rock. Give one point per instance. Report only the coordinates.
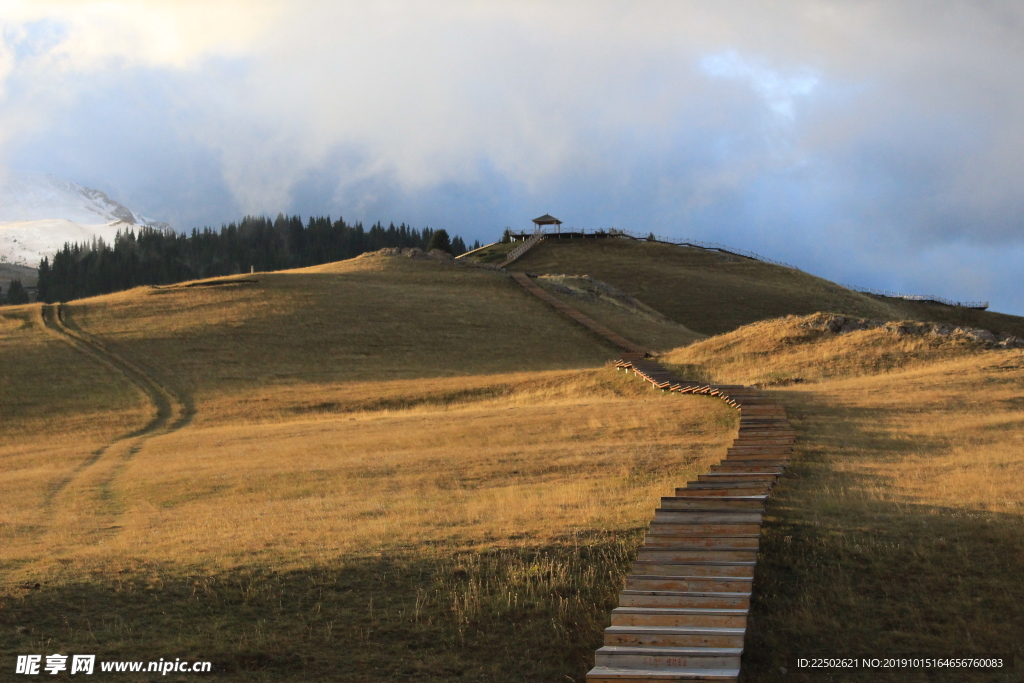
(415, 253)
(439, 255)
(981, 336)
(843, 324)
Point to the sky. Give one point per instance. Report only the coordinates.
(874, 143)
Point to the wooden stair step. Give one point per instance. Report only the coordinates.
(744, 542)
(745, 433)
(712, 477)
(765, 450)
(683, 554)
(783, 459)
(715, 568)
(697, 530)
(742, 486)
(604, 674)
(690, 599)
(689, 583)
(721, 516)
(763, 441)
(706, 502)
(674, 636)
(724, 490)
(670, 616)
(751, 466)
(624, 656)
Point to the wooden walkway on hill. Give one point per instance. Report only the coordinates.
(591, 324)
(535, 239)
(683, 613)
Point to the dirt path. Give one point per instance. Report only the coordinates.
(93, 479)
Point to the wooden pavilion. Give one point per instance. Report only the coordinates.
(548, 219)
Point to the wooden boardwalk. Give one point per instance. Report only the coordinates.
(535, 239)
(682, 615)
(591, 324)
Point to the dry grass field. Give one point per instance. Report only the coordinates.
(900, 526)
(384, 469)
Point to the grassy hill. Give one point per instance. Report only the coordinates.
(378, 469)
(712, 293)
(899, 527)
(390, 469)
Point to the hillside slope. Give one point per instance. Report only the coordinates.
(392, 469)
(381, 469)
(898, 526)
(818, 347)
(711, 293)
(287, 340)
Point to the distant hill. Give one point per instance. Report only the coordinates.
(711, 292)
(39, 213)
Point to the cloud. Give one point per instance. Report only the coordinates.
(803, 129)
(779, 91)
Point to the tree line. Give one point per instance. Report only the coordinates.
(155, 257)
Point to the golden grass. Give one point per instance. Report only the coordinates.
(792, 350)
(369, 319)
(406, 470)
(900, 526)
(534, 464)
(59, 408)
(349, 501)
(486, 514)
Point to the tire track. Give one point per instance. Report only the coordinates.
(170, 411)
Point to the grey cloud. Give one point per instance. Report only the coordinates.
(869, 137)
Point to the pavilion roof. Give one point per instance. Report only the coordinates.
(547, 219)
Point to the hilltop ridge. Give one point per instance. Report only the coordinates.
(711, 292)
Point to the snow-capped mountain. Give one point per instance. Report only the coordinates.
(39, 213)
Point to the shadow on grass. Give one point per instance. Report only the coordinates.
(529, 614)
(844, 573)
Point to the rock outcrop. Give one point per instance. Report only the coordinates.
(843, 324)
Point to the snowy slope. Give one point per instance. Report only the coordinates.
(27, 242)
(39, 213)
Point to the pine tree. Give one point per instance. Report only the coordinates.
(506, 236)
(43, 280)
(440, 240)
(16, 293)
